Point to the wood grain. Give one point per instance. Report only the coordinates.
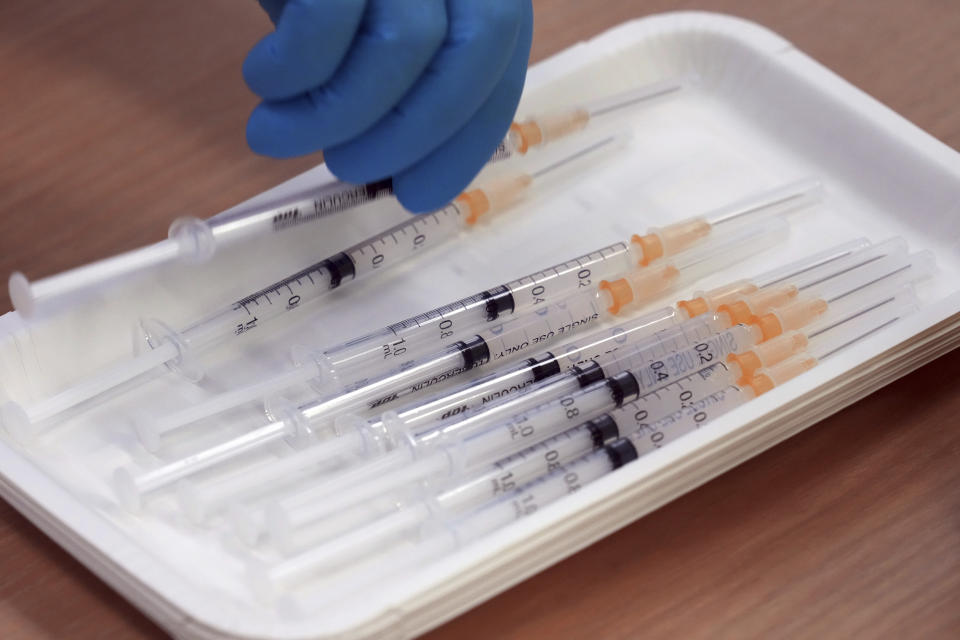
(118, 116)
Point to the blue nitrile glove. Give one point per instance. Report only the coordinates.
(418, 90)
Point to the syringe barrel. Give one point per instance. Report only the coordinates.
(371, 393)
(537, 394)
(642, 284)
(402, 342)
(511, 472)
(673, 354)
(308, 207)
(536, 495)
(634, 414)
(541, 422)
(655, 434)
(250, 312)
(620, 396)
(598, 345)
(672, 338)
(639, 414)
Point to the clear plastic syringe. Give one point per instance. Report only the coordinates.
(836, 267)
(358, 437)
(459, 448)
(637, 286)
(477, 486)
(387, 383)
(822, 344)
(847, 256)
(477, 394)
(548, 127)
(317, 415)
(667, 382)
(377, 254)
(299, 424)
(843, 314)
(562, 480)
(402, 345)
(193, 240)
(435, 327)
(646, 373)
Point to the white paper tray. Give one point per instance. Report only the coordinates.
(767, 113)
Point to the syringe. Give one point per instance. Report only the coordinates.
(438, 326)
(385, 383)
(473, 487)
(357, 437)
(563, 478)
(548, 127)
(377, 254)
(822, 343)
(808, 271)
(444, 454)
(845, 313)
(400, 345)
(646, 373)
(638, 286)
(650, 422)
(317, 415)
(193, 240)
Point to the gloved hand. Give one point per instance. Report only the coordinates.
(418, 90)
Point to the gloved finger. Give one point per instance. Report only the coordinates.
(442, 175)
(482, 35)
(311, 39)
(394, 44)
(273, 8)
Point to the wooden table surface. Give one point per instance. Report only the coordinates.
(116, 116)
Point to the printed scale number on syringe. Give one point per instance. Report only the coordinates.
(174, 348)
(409, 338)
